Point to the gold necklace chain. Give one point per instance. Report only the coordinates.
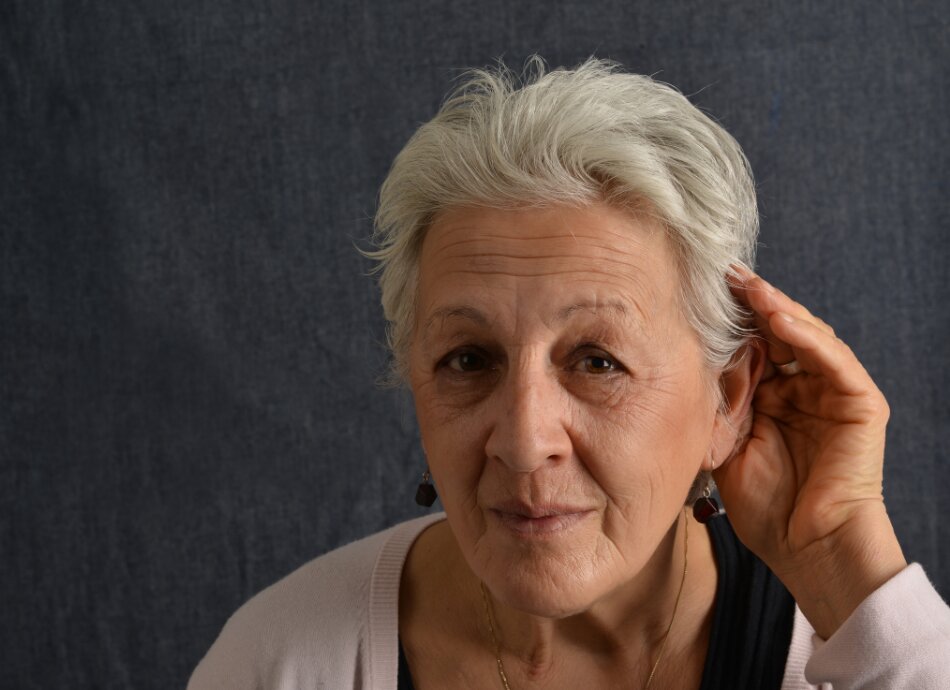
(496, 647)
(494, 638)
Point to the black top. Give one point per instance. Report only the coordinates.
(752, 621)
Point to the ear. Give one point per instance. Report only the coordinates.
(734, 417)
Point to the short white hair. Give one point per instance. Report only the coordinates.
(575, 136)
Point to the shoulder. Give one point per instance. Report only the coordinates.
(315, 627)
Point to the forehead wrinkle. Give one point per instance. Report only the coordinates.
(454, 252)
(502, 247)
(493, 241)
(533, 257)
(636, 295)
(595, 269)
(618, 306)
(475, 235)
(610, 309)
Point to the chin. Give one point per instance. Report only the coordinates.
(551, 600)
(550, 585)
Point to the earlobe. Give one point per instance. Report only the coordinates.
(738, 384)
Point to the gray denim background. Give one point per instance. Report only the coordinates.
(189, 342)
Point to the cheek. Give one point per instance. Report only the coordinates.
(452, 446)
(646, 451)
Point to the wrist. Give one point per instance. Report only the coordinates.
(831, 577)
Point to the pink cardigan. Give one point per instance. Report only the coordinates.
(333, 624)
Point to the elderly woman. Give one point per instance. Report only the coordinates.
(566, 272)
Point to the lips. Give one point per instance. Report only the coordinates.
(537, 519)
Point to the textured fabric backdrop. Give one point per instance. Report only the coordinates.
(189, 342)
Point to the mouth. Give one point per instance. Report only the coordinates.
(537, 520)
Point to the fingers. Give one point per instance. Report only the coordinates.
(794, 333)
(821, 353)
(765, 300)
(810, 399)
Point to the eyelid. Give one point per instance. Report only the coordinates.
(444, 362)
(587, 350)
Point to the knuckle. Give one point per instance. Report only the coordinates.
(884, 409)
(824, 327)
(877, 406)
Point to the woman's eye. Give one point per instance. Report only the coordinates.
(598, 364)
(467, 362)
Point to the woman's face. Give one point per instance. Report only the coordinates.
(561, 395)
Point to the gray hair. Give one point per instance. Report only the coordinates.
(577, 136)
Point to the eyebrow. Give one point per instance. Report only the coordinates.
(456, 312)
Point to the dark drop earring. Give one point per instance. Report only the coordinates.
(425, 494)
(705, 508)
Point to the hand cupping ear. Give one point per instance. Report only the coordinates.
(803, 490)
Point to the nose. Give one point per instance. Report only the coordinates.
(529, 420)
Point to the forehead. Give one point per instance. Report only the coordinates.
(554, 260)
